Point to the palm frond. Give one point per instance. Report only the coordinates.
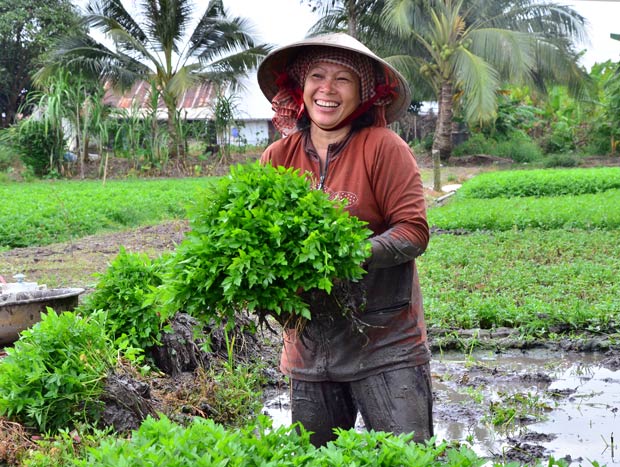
(105, 15)
(512, 53)
(479, 82)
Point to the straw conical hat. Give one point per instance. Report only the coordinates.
(278, 60)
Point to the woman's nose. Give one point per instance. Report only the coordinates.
(327, 85)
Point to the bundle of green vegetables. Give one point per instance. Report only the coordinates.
(257, 238)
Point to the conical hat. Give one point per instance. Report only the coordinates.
(277, 61)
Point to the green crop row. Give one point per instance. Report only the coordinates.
(589, 211)
(543, 182)
(41, 213)
(161, 442)
(540, 282)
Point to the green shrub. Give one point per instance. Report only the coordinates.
(560, 160)
(41, 147)
(477, 143)
(559, 138)
(519, 148)
(52, 377)
(203, 442)
(516, 146)
(8, 156)
(124, 291)
(257, 237)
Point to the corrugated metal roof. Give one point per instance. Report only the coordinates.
(194, 103)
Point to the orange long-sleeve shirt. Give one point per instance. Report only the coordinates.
(375, 171)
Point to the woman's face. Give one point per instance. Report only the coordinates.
(331, 93)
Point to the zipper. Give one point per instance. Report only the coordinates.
(323, 174)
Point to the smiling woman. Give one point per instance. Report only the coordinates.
(333, 98)
(331, 94)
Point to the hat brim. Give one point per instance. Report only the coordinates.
(276, 62)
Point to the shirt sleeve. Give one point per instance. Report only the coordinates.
(398, 188)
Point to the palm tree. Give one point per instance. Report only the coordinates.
(155, 44)
(466, 49)
(348, 12)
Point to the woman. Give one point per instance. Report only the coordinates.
(332, 99)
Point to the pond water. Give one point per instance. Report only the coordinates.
(571, 401)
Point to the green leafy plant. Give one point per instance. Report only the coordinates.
(52, 377)
(41, 146)
(64, 447)
(258, 237)
(203, 442)
(161, 442)
(511, 409)
(124, 292)
(235, 392)
(489, 278)
(43, 213)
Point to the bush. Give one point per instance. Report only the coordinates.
(516, 146)
(203, 442)
(52, 377)
(519, 148)
(8, 156)
(560, 160)
(477, 143)
(40, 147)
(124, 291)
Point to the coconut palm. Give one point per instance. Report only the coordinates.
(346, 12)
(154, 43)
(466, 49)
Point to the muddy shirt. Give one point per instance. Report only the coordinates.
(375, 171)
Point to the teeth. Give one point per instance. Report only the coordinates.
(326, 103)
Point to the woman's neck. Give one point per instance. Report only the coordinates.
(321, 139)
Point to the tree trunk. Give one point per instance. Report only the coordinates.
(443, 132)
(352, 21)
(173, 141)
(442, 141)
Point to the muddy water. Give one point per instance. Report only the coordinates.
(573, 411)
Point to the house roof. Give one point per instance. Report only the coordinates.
(195, 103)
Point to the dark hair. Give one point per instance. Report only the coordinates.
(365, 120)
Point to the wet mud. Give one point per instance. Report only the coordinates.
(521, 405)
